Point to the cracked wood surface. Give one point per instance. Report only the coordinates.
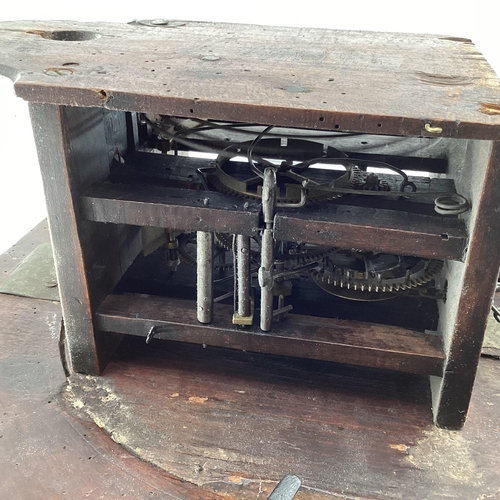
(389, 83)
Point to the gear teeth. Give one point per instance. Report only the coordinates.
(343, 278)
(224, 241)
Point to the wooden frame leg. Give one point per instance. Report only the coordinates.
(74, 147)
(470, 286)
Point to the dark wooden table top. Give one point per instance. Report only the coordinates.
(384, 83)
(227, 424)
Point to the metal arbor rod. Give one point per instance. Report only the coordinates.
(267, 251)
(266, 289)
(204, 277)
(243, 274)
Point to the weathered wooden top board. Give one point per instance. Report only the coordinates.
(384, 83)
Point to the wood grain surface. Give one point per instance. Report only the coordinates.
(226, 425)
(384, 83)
(235, 423)
(352, 342)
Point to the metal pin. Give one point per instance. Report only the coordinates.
(152, 332)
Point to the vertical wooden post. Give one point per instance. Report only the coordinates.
(74, 147)
(470, 286)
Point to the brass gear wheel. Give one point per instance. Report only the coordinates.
(238, 179)
(366, 276)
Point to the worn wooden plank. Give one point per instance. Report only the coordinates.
(74, 148)
(373, 229)
(172, 208)
(352, 342)
(236, 422)
(160, 169)
(389, 83)
(471, 287)
(15, 255)
(45, 451)
(48, 125)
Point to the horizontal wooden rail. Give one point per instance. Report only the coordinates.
(172, 208)
(350, 342)
(373, 229)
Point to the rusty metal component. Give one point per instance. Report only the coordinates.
(364, 276)
(302, 253)
(293, 188)
(496, 313)
(373, 183)
(451, 204)
(242, 289)
(187, 251)
(286, 488)
(172, 247)
(269, 194)
(204, 282)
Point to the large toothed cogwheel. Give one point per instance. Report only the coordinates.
(187, 252)
(301, 253)
(237, 178)
(367, 276)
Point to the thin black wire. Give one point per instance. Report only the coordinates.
(301, 166)
(254, 168)
(237, 127)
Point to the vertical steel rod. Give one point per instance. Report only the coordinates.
(243, 272)
(204, 279)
